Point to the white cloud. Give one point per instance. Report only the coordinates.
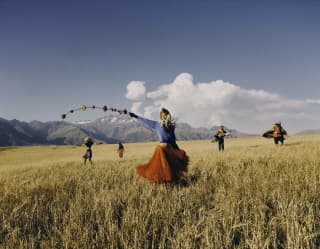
(212, 103)
(135, 108)
(313, 101)
(136, 90)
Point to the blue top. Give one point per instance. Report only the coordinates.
(165, 136)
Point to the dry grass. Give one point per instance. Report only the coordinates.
(253, 195)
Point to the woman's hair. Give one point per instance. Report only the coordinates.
(166, 121)
(86, 139)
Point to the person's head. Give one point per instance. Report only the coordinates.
(278, 123)
(164, 113)
(88, 142)
(165, 118)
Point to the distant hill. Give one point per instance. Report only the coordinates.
(109, 129)
(309, 131)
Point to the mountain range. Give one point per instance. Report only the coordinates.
(108, 129)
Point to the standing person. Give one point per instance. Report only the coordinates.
(120, 150)
(220, 137)
(88, 155)
(168, 162)
(278, 133)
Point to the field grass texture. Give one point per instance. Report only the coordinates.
(252, 195)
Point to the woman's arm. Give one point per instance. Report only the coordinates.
(150, 123)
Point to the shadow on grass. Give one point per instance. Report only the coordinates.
(187, 180)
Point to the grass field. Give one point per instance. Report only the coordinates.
(253, 195)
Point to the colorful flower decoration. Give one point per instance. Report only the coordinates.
(103, 108)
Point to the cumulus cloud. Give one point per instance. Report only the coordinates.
(135, 108)
(212, 103)
(136, 90)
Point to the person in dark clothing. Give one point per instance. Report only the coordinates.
(278, 133)
(219, 136)
(88, 155)
(120, 150)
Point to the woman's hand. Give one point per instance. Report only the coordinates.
(132, 115)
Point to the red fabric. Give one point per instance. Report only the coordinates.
(166, 165)
(120, 153)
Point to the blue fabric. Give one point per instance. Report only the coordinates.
(165, 136)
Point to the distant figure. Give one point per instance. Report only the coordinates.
(120, 150)
(88, 155)
(278, 133)
(168, 162)
(219, 136)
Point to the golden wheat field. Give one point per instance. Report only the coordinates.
(252, 195)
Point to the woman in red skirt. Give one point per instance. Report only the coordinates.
(168, 162)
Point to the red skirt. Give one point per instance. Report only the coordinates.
(120, 153)
(166, 165)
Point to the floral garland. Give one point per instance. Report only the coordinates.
(103, 108)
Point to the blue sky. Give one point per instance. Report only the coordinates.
(259, 60)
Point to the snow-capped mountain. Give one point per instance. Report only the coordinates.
(108, 129)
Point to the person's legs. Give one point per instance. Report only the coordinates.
(220, 144)
(86, 156)
(281, 140)
(89, 155)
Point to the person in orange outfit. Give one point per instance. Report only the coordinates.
(169, 162)
(120, 150)
(278, 133)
